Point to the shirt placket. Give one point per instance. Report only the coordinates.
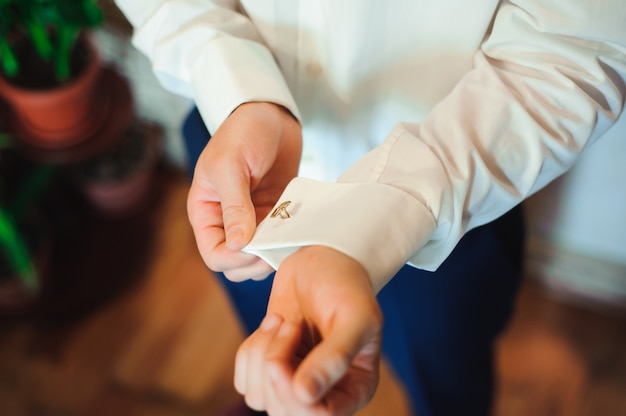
(311, 66)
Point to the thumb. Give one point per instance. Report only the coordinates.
(233, 190)
(348, 344)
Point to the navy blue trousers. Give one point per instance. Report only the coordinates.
(440, 327)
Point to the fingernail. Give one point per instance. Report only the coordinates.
(270, 322)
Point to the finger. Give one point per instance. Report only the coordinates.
(206, 219)
(241, 368)
(351, 393)
(238, 266)
(241, 358)
(279, 358)
(255, 365)
(221, 259)
(203, 204)
(281, 378)
(357, 387)
(232, 184)
(258, 270)
(281, 375)
(282, 349)
(328, 362)
(273, 404)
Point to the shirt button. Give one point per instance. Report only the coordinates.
(314, 69)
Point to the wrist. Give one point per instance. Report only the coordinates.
(320, 257)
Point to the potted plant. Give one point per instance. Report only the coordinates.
(118, 182)
(50, 70)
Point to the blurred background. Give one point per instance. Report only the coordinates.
(107, 309)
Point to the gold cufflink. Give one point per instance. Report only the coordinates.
(281, 211)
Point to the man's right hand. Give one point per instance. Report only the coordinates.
(239, 176)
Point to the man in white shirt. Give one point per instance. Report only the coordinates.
(411, 123)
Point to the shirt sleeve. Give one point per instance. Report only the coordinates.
(548, 80)
(207, 49)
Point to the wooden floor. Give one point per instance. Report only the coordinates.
(138, 326)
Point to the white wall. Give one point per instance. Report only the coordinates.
(585, 211)
(577, 226)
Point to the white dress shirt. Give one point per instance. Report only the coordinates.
(421, 119)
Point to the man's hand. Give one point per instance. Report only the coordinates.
(238, 178)
(317, 351)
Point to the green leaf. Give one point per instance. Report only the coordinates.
(16, 251)
(10, 65)
(41, 40)
(52, 27)
(66, 37)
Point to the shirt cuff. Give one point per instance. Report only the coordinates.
(232, 71)
(333, 215)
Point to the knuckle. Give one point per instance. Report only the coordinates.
(234, 212)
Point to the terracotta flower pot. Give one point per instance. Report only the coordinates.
(60, 116)
(119, 182)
